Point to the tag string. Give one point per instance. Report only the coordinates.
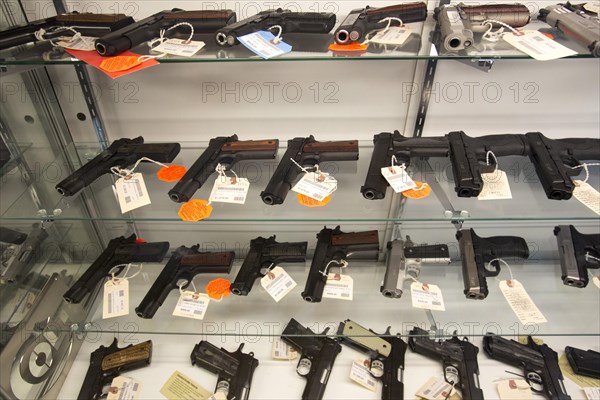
(487, 159)
(342, 264)
(40, 35)
(301, 167)
(180, 286)
(503, 263)
(423, 186)
(586, 169)
(220, 169)
(160, 40)
(384, 30)
(114, 278)
(124, 172)
(277, 38)
(497, 35)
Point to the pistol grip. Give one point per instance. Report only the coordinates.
(505, 247)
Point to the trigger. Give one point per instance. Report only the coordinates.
(495, 271)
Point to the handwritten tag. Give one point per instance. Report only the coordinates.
(191, 305)
(316, 186)
(426, 296)
(587, 195)
(436, 388)
(179, 47)
(394, 35)
(339, 287)
(278, 283)
(495, 186)
(229, 190)
(537, 45)
(592, 393)
(263, 43)
(124, 388)
(180, 387)
(282, 351)
(361, 374)
(398, 178)
(132, 192)
(115, 299)
(520, 302)
(195, 210)
(119, 63)
(83, 43)
(514, 389)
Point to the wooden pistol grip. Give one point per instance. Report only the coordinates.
(129, 357)
(224, 259)
(89, 17)
(342, 146)
(366, 237)
(252, 145)
(397, 8)
(199, 14)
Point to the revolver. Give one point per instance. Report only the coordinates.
(150, 28)
(185, 263)
(459, 360)
(225, 151)
(234, 370)
(404, 263)
(386, 353)
(539, 363)
(18, 251)
(333, 246)
(577, 252)
(318, 354)
(106, 363)
(264, 254)
(300, 22)
(575, 23)
(361, 21)
(119, 252)
(121, 153)
(476, 252)
(584, 362)
(306, 152)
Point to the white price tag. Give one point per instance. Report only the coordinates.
(132, 192)
(521, 303)
(495, 186)
(85, 43)
(191, 305)
(116, 298)
(277, 283)
(538, 45)
(316, 186)
(428, 297)
(229, 190)
(338, 287)
(218, 396)
(592, 393)
(514, 389)
(398, 178)
(394, 35)
(282, 351)
(587, 195)
(436, 388)
(361, 374)
(124, 388)
(592, 7)
(179, 47)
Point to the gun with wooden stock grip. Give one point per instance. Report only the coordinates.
(149, 28)
(18, 255)
(317, 356)
(578, 252)
(234, 370)
(106, 363)
(458, 357)
(584, 362)
(119, 252)
(386, 353)
(306, 152)
(185, 263)
(226, 151)
(333, 245)
(539, 363)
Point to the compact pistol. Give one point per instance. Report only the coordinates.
(578, 252)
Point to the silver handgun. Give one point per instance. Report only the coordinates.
(572, 21)
(18, 252)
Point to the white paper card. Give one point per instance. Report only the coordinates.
(398, 178)
(316, 186)
(426, 296)
(361, 374)
(394, 35)
(436, 388)
(282, 351)
(521, 303)
(592, 393)
(230, 190)
(277, 283)
(218, 396)
(338, 287)
(514, 389)
(132, 192)
(179, 47)
(589, 196)
(495, 186)
(85, 43)
(538, 45)
(593, 7)
(124, 388)
(115, 299)
(191, 305)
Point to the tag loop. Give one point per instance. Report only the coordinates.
(124, 172)
(586, 169)
(497, 35)
(505, 264)
(487, 159)
(161, 39)
(115, 280)
(277, 38)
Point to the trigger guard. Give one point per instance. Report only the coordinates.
(496, 271)
(536, 379)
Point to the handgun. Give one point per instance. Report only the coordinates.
(119, 252)
(301, 22)
(575, 23)
(361, 21)
(106, 363)
(578, 252)
(88, 24)
(185, 263)
(584, 362)
(476, 252)
(458, 22)
(18, 255)
(306, 152)
(226, 151)
(234, 370)
(265, 254)
(121, 153)
(149, 28)
(459, 360)
(386, 353)
(404, 263)
(539, 363)
(318, 354)
(333, 246)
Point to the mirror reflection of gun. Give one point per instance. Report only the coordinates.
(121, 153)
(578, 252)
(149, 28)
(459, 360)
(575, 23)
(18, 257)
(226, 151)
(584, 362)
(234, 370)
(386, 353)
(318, 354)
(106, 363)
(301, 22)
(539, 363)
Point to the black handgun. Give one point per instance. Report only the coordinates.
(185, 263)
(149, 28)
(87, 24)
(577, 252)
(361, 21)
(333, 246)
(318, 354)
(476, 252)
(226, 151)
(386, 353)
(234, 370)
(539, 363)
(575, 23)
(459, 360)
(106, 363)
(307, 152)
(119, 252)
(584, 362)
(19, 251)
(121, 153)
(301, 22)
(264, 254)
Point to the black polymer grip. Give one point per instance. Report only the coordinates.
(584, 362)
(393, 368)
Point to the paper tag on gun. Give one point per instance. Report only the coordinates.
(282, 351)
(436, 388)
(277, 283)
(495, 186)
(514, 389)
(338, 287)
(427, 296)
(229, 190)
(116, 298)
(394, 35)
(587, 195)
(263, 44)
(521, 303)
(132, 192)
(84, 43)
(192, 305)
(124, 388)
(537, 45)
(179, 47)
(361, 374)
(316, 186)
(398, 178)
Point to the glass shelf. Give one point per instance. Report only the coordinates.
(10, 164)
